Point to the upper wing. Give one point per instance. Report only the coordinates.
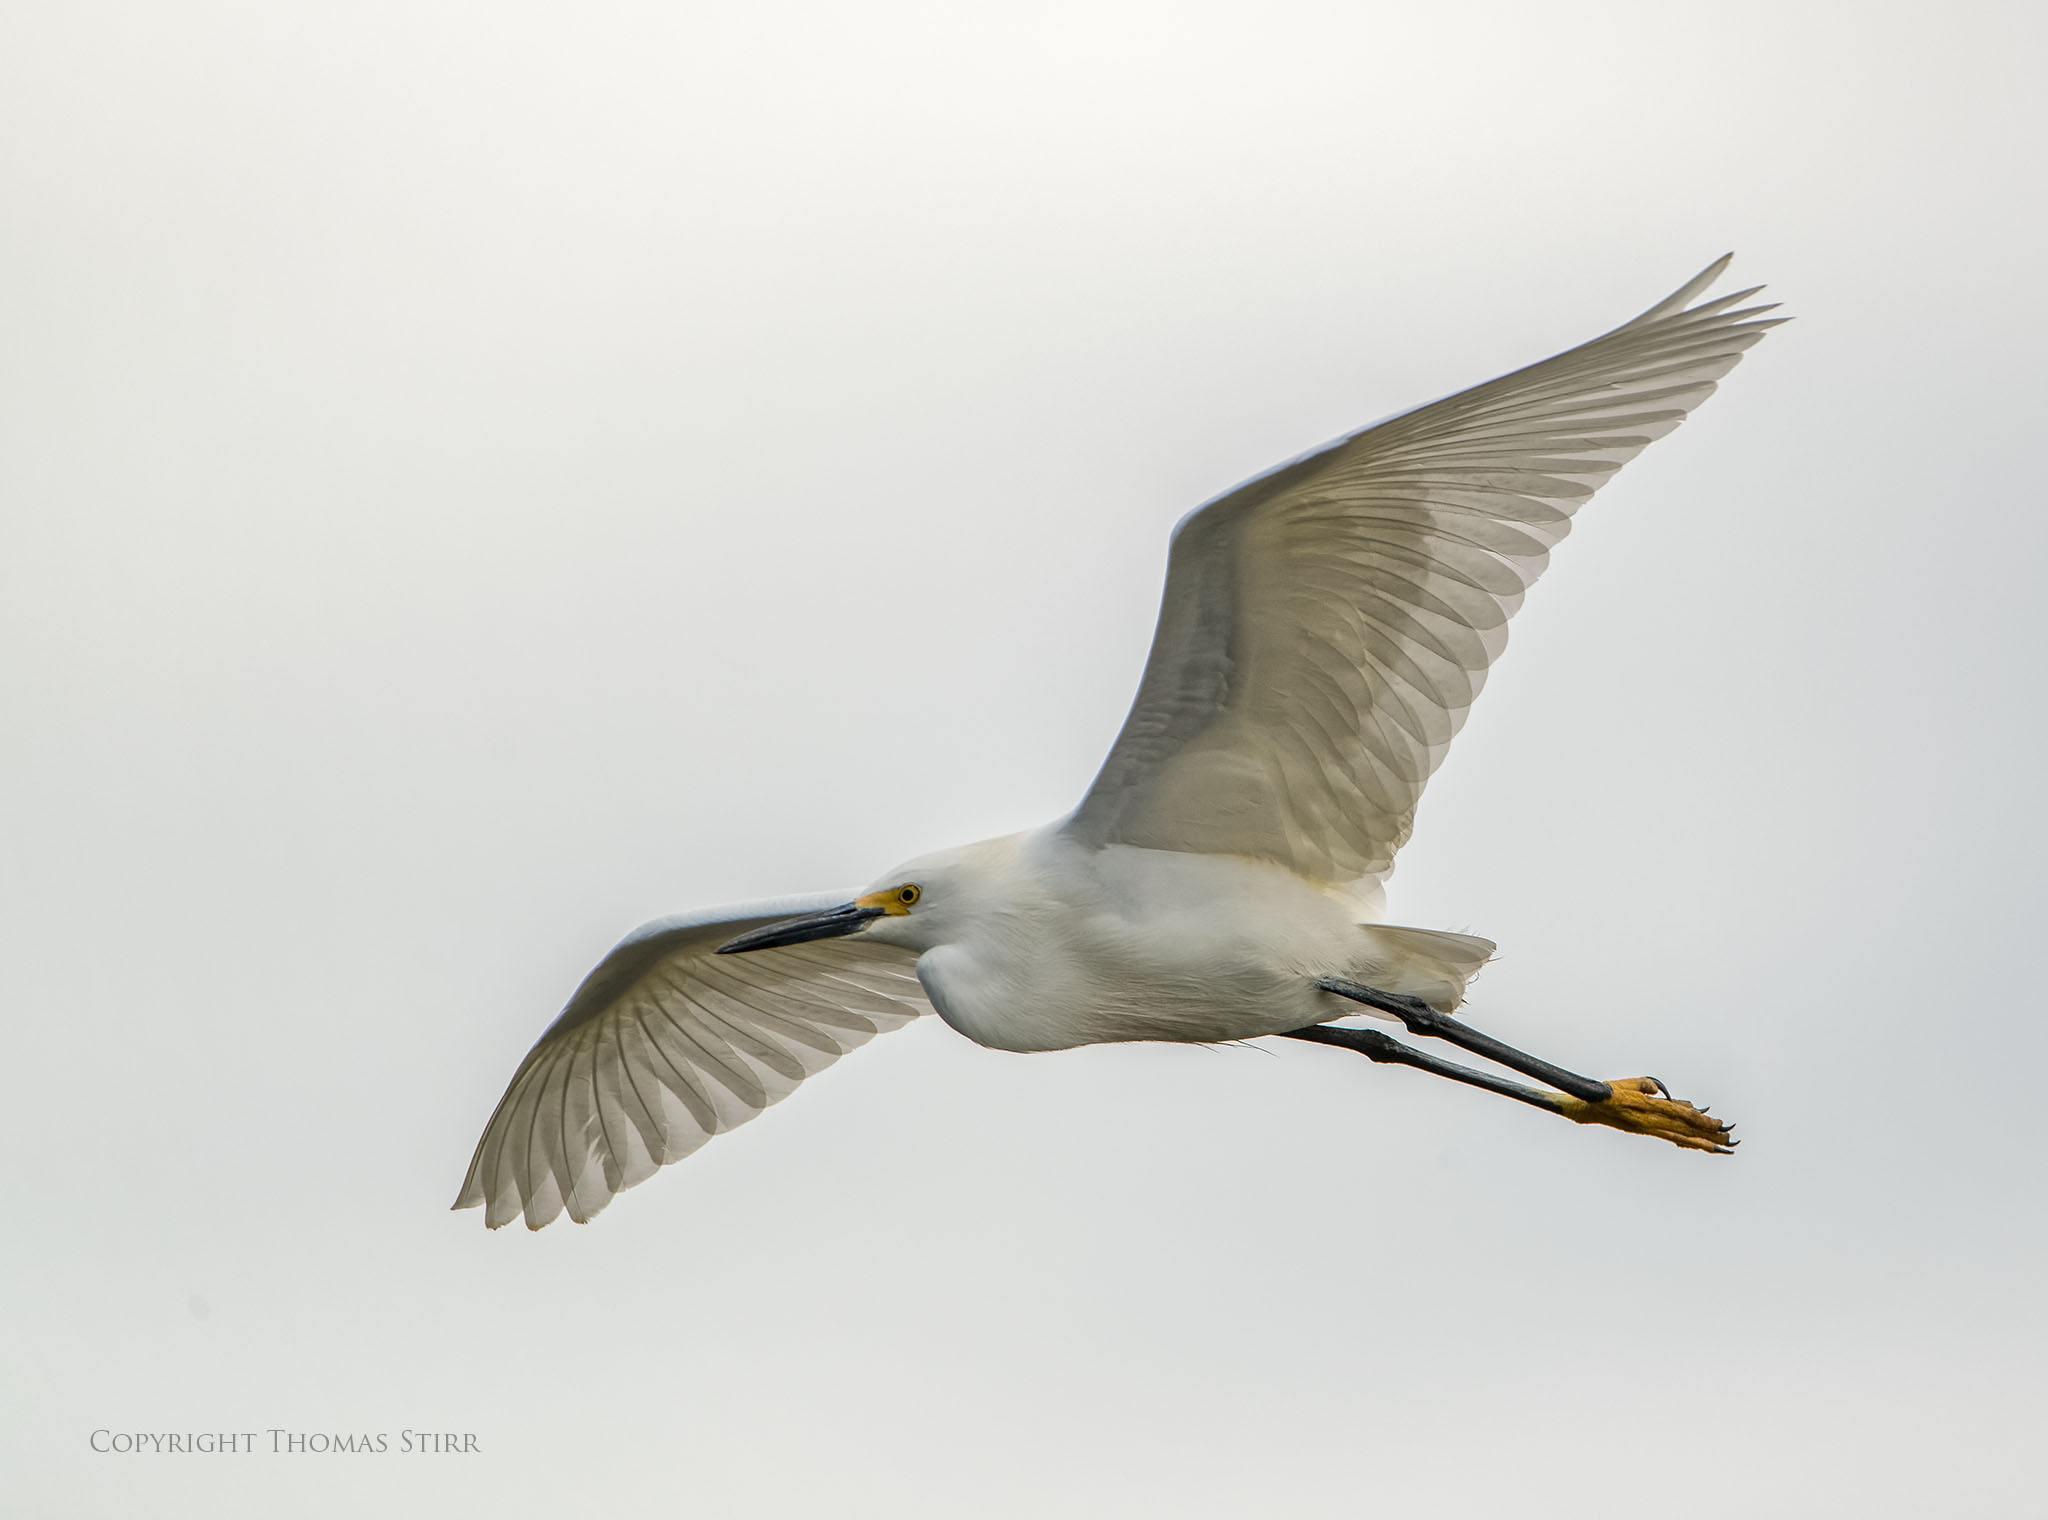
(1327, 625)
(665, 1045)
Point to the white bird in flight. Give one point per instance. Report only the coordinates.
(1325, 629)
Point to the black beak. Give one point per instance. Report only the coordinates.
(830, 924)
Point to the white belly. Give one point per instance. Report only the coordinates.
(1126, 944)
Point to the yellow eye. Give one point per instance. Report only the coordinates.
(908, 896)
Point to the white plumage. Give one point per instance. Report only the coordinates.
(1326, 628)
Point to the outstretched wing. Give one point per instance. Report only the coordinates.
(1327, 625)
(666, 1044)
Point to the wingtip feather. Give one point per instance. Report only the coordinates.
(1691, 290)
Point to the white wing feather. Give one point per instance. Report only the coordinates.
(666, 1044)
(1327, 625)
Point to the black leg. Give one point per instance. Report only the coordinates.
(1375, 1046)
(1424, 1020)
(1636, 1105)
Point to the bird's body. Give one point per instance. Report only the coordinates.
(1039, 942)
(1325, 629)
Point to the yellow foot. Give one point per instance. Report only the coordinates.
(1642, 1106)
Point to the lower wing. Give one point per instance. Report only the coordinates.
(665, 1045)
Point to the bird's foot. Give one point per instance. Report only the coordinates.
(1644, 1106)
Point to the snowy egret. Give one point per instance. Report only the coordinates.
(1325, 628)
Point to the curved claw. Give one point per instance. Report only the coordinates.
(1636, 1107)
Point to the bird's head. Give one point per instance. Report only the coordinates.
(912, 906)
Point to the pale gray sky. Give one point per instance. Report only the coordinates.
(481, 476)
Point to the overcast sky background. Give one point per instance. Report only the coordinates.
(478, 477)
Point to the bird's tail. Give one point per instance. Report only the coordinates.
(1430, 964)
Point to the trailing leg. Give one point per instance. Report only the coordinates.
(1637, 1105)
(1422, 1019)
(1375, 1046)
